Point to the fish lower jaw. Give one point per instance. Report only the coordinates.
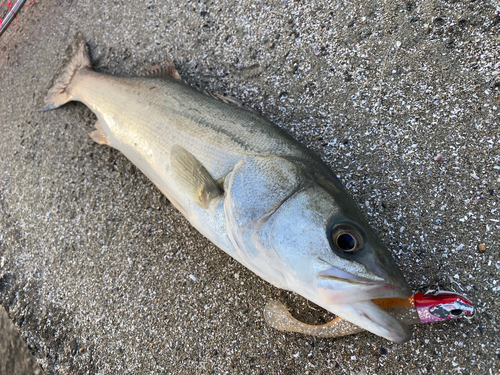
(367, 315)
(360, 293)
(371, 317)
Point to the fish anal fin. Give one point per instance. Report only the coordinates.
(168, 70)
(193, 177)
(98, 135)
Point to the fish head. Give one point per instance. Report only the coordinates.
(309, 236)
(327, 240)
(335, 259)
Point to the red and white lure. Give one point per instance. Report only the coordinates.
(13, 9)
(435, 306)
(432, 306)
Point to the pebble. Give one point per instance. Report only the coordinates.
(438, 158)
(481, 248)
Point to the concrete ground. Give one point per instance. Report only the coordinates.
(102, 275)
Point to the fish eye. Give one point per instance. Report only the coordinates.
(346, 239)
(456, 312)
(346, 242)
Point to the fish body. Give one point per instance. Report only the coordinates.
(246, 185)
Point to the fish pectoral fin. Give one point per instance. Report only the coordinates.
(162, 71)
(98, 134)
(193, 176)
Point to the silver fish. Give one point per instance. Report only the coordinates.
(246, 185)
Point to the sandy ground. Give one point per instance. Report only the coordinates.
(15, 357)
(101, 274)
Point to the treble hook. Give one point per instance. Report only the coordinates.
(433, 290)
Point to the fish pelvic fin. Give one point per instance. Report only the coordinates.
(77, 58)
(193, 177)
(98, 135)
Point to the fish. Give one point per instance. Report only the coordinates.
(245, 184)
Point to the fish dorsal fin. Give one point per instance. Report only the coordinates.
(162, 71)
(238, 103)
(229, 100)
(193, 177)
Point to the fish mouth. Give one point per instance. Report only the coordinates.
(349, 296)
(335, 286)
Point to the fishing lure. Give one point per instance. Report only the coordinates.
(432, 306)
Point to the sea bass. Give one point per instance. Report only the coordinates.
(246, 185)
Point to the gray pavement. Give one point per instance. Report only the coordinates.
(102, 275)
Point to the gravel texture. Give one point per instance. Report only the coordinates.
(15, 358)
(101, 274)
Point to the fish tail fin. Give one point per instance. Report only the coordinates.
(77, 58)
